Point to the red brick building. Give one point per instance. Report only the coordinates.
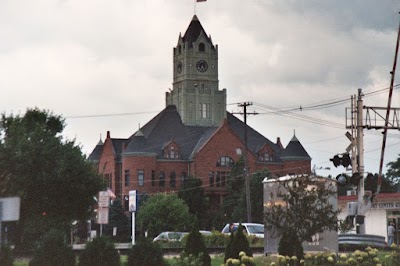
(194, 135)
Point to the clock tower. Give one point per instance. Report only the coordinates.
(195, 90)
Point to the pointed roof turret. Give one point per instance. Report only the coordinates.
(96, 153)
(295, 151)
(193, 32)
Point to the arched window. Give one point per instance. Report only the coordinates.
(161, 179)
(202, 47)
(225, 161)
(183, 177)
(172, 180)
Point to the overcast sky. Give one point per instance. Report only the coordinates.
(89, 59)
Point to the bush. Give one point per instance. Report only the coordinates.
(53, 250)
(6, 255)
(289, 245)
(145, 252)
(238, 242)
(242, 260)
(99, 252)
(195, 246)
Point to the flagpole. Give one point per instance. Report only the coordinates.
(194, 7)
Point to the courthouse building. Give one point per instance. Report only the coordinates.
(194, 135)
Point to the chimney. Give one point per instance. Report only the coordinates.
(108, 135)
(278, 142)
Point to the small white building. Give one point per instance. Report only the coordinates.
(385, 208)
(326, 241)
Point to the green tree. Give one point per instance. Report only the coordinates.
(119, 220)
(393, 172)
(164, 212)
(234, 205)
(192, 192)
(52, 177)
(306, 209)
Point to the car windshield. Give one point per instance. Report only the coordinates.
(255, 229)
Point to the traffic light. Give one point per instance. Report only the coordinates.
(336, 160)
(345, 160)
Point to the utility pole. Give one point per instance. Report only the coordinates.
(391, 121)
(246, 170)
(360, 162)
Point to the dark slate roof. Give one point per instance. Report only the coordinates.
(117, 145)
(295, 151)
(255, 141)
(193, 32)
(96, 153)
(167, 126)
(163, 128)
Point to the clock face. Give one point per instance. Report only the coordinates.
(179, 67)
(202, 66)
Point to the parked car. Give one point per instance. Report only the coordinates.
(169, 236)
(251, 229)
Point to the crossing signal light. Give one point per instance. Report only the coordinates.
(345, 160)
(336, 160)
(342, 180)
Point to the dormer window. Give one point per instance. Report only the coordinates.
(266, 156)
(225, 161)
(202, 47)
(171, 152)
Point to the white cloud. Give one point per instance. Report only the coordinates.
(100, 57)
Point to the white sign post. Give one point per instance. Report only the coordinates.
(9, 211)
(102, 211)
(132, 209)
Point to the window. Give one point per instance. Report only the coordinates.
(265, 157)
(127, 178)
(108, 178)
(204, 110)
(172, 180)
(153, 178)
(180, 48)
(225, 161)
(171, 152)
(183, 177)
(202, 47)
(218, 179)
(211, 178)
(161, 179)
(140, 175)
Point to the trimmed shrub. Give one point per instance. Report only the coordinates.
(145, 252)
(196, 247)
(238, 243)
(53, 250)
(289, 245)
(99, 252)
(6, 255)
